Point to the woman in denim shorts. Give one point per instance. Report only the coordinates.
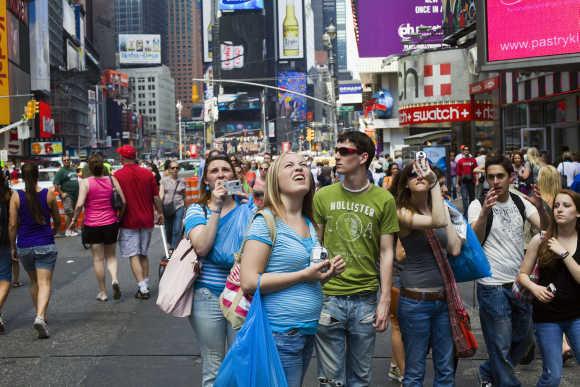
(5, 264)
(30, 224)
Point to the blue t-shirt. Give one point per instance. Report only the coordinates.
(299, 306)
(231, 230)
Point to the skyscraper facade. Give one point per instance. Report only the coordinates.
(184, 48)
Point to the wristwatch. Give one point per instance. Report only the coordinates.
(564, 255)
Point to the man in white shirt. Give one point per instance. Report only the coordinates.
(499, 224)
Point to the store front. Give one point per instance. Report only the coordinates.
(541, 110)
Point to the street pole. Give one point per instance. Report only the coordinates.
(179, 106)
(328, 41)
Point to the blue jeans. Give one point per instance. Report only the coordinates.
(174, 227)
(295, 350)
(424, 325)
(549, 339)
(213, 332)
(345, 341)
(506, 323)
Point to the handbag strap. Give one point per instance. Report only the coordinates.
(270, 222)
(112, 183)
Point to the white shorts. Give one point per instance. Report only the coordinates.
(134, 242)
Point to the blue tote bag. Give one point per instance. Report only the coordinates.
(253, 359)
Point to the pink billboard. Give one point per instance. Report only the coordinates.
(520, 29)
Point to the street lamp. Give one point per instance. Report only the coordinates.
(179, 107)
(328, 41)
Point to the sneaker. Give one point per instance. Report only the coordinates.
(41, 327)
(102, 296)
(2, 326)
(395, 373)
(142, 295)
(486, 384)
(116, 291)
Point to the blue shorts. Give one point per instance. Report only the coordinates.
(5, 264)
(38, 257)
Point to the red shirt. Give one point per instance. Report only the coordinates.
(140, 189)
(465, 166)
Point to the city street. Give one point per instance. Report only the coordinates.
(132, 343)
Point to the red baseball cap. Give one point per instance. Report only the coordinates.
(127, 151)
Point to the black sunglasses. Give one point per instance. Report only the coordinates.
(258, 194)
(344, 151)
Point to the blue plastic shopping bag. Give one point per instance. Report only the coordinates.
(253, 359)
(471, 264)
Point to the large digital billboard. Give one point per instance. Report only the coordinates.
(383, 23)
(525, 29)
(292, 106)
(234, 5)
(531, 31)
(139, 49)
(290, 29)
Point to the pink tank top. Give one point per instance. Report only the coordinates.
(98, 209)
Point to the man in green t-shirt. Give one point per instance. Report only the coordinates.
(66, 183)
(355, 220)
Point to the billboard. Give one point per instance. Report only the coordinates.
(517, 30)
(46, 123)
(39, 46)
(383, 23)
(139, 49)
(290, 29)
(68, 18)
(458, 14)
(207, 31)
(4, 84)
(236, 5)
(39, 147)
(289, 105)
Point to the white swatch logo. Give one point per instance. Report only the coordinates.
(510, 2)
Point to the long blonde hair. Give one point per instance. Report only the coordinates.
(534, 158)
(273, 198)
(549, 183)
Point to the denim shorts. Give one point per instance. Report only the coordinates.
(38, 257)
(5, 264)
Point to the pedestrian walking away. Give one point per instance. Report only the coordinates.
(291, 264)
(172, 193)
(466, 178)
(142, 206)
(32, 240)
(355, 220)
(5, 256)
(216, 226)
(556, 291)
(506, 321)
(101, 223)
(66, 182)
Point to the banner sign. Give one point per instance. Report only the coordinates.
(522, 29)
(485, 86)
(290, 29)
(4, 84)
(236, 5)
(40, 147)
(139, 49)
(290, 105)
(207, 30)
(451, 112)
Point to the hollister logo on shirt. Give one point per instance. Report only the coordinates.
(355, 207)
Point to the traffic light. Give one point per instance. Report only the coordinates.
(36, 107)
(31, 109)
(310, 135)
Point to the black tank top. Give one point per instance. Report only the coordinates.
(566, 304)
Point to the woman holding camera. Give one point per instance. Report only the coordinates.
(291, 284)
(557, 292)
(423, 310)
(215, 226)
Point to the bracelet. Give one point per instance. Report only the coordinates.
(565, 255)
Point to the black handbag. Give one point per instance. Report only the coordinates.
(116, 200)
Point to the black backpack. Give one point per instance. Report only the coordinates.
(518, 201)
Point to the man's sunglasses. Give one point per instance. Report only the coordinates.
(344, 151)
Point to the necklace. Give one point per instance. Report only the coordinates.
(357, 190)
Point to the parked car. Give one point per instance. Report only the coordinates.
(188, 168)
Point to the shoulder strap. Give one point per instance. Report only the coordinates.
(488, 224)
(519, 202)
(270, 222)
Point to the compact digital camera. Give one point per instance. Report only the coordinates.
(233, 187)
(318, 255)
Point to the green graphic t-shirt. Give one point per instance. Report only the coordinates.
(68, 179)
(353, 224)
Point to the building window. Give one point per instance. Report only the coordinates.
(151, 111)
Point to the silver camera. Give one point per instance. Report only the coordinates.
(233, 187)
(318, 255)
(551, 288)
(421, 155)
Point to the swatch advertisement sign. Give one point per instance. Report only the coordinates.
(520, 29)
(383, 23)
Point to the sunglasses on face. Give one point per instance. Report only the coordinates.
(258, 195)
(344, 151)
(173, 167)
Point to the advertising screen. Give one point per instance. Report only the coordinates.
(139, 49)
(39, 46)
(46, 148)
(290, 29)
(68, 18)
(292, 106)
(383, 23)
(232, 5)
(207, 31)
(522, 29)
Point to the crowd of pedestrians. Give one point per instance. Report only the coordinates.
(375, 220)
